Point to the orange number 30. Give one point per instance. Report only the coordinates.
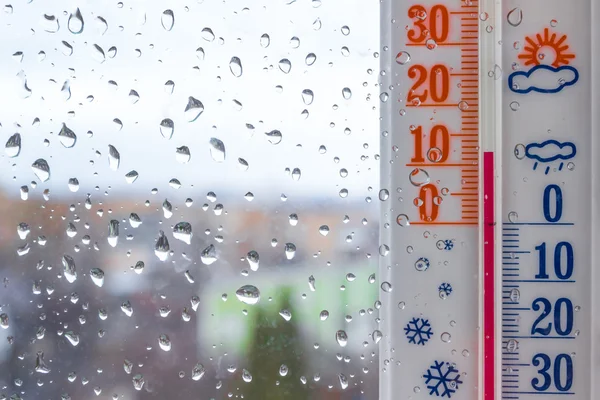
(437, 19)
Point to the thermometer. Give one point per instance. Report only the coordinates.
(487, 141)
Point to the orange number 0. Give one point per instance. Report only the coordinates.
(428, 209)
(439, 23)
(437, 132)
(439, 83)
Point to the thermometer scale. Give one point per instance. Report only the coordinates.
(487, 143)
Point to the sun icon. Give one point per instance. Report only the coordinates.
(546, 50)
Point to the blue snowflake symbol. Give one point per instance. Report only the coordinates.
(446, 244)
(442, 379)
(418, 331)
(445, 289)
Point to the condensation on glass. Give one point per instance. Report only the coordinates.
(189, 200)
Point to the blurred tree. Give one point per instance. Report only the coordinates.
(276, 342)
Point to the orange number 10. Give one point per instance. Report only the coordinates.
(439, 145)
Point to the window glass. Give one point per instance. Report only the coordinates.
(189, 199)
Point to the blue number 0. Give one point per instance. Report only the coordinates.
(558, 206)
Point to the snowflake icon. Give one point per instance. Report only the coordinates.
(446, 244)
(418, 331)
(442, 379)
(445, 289)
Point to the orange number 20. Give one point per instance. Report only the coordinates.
(439, 83)
(439, 138)
(437, 19)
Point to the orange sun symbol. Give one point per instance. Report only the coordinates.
(547, 50)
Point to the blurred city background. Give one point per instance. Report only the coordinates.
(246, 132)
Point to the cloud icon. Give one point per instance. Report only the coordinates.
(543, 79)
(550, 150)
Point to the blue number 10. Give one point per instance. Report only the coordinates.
(558, 265)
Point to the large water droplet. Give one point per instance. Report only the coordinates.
(208, 255)
(198, 372)
(50, 23)
(97, 276)
(253, 260)
(4, 323)
(346, 93)
(13, 145)
(207, 34)
(246, 376)
(127, 308)
(343, 381)
(386, 287)
(265, 40)
(376, 335)
(310, 59)
(285, 65)
(403, 58)
(167, 20)
(23, 230)
(248, 294)
(138, 381)
(40, 364)
(67, 137)
(41, 169)
(166, 128)
(164, 342)
(114, 158)
(75, 23)
(274, 137)
(290, 250)
(283, 370)
(72, 337)
(217, 149)
(182, 154)
(235, 66)
(342, 338)
(307, 96)
(113, 232)
(418, 177)
(285, 314)
(183, 231)
(312, 283)
(193, 109)
(69, 268)
(161, 248)
(324, 230)
(515, 16)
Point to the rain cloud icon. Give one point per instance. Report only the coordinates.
(549, 151)
(543, 79)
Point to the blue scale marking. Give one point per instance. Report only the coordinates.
(508, 243)
(538, 280)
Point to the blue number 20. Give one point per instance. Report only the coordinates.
(546, 363)
(558, 203)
